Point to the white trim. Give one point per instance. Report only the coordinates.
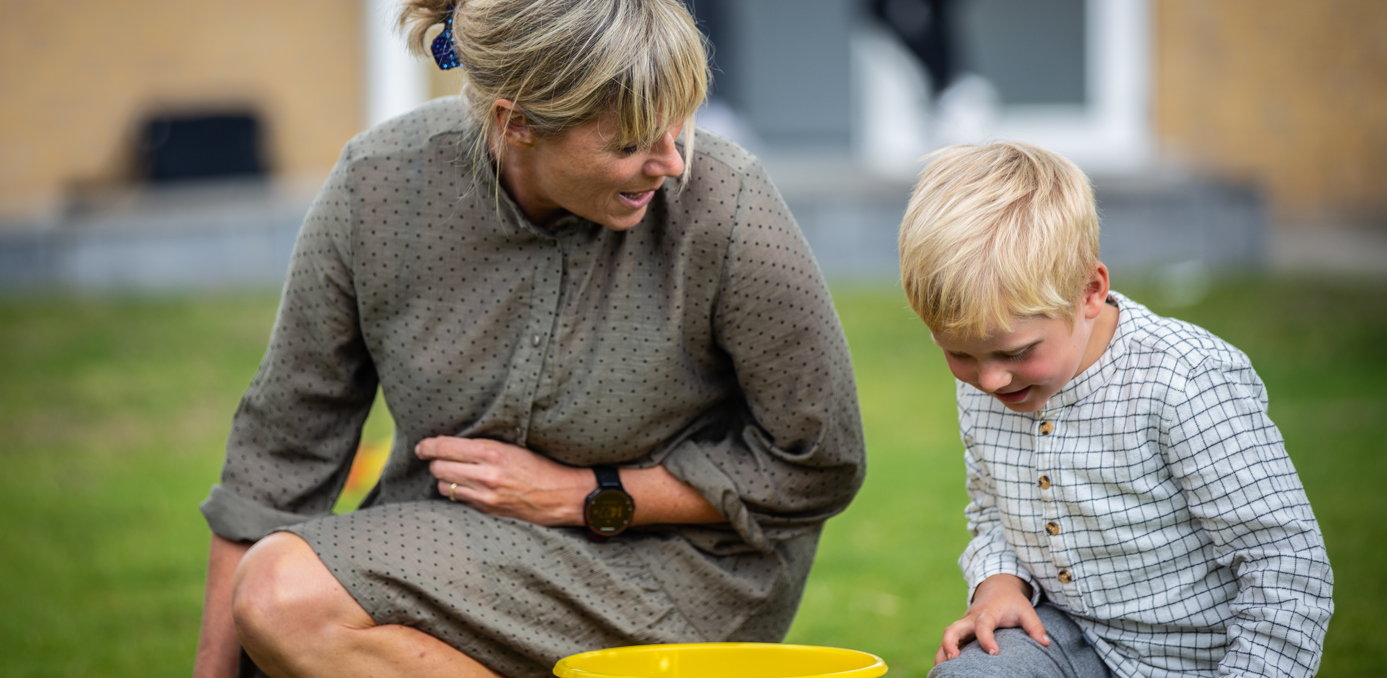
(396, 82)
(1112, 133)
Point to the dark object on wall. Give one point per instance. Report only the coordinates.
(183, 147)
(927, 28)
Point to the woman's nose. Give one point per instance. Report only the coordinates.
(665, 159)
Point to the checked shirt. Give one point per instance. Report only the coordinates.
(1152, 500)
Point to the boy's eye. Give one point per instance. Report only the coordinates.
(629, 150)
(1019, 355)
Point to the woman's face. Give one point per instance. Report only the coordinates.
(580, 172)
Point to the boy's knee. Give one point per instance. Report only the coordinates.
(1018, 655)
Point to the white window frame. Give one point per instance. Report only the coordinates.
(1112, 132)
(396, 81)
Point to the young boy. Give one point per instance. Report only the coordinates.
(1133, 510)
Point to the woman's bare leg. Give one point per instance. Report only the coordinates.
(295, 619)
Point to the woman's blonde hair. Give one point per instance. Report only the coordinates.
(566, 62)
(997, 232)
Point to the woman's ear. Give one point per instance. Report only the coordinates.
(512, 124)
(1095, 291)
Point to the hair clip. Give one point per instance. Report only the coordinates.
(445, 53)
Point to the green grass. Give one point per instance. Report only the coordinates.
(115, 413)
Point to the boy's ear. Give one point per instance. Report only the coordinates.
(512, 124)
(1095, 292)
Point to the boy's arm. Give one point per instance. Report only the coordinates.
(1243, 490)
(988, 553)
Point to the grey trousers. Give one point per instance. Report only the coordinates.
(1069, 654)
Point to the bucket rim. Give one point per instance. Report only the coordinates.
(565, 667)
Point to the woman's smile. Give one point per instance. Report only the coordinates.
(638, 200)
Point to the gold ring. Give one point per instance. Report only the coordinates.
(451, 489)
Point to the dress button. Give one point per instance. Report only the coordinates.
(1052, 528)
(535, 341)
(1044, 482)
(1065, 577)
(1046, 428)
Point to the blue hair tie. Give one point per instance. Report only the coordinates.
(445, 53)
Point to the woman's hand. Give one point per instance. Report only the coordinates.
(1001, 601)
(507, 480)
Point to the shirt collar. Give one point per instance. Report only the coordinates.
(1102, 371)
(488, 189)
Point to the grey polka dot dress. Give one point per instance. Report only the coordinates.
(703, 340)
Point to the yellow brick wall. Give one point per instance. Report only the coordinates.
(77, 77)
(1289, 93)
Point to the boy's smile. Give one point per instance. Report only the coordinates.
(1026, 365)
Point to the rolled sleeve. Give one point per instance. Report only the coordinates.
(792, 454)
(239, 519)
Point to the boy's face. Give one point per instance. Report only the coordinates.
(1021, 368)
(1026, 365)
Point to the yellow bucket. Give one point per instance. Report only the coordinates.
(721, 660)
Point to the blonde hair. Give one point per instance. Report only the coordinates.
(997, 232)
(566, 62)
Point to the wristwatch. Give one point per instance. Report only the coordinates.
(608, 510)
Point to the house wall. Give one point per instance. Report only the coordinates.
(1289, 94)
(76, 79)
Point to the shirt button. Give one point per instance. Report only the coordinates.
(1044, 482)
(1052, 528)
(1046, 428)
(517, 433)
(967, 440)
(535, 341)
(1065, 577)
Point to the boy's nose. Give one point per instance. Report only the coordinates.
(992, 377)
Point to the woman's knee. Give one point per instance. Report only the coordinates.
(283, 595)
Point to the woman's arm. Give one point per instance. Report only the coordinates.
(297, 425)
(218, 647)
(507, 480)
(789, 452)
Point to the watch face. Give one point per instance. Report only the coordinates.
(609, 511)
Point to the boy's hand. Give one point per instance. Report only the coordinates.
(1002, 601)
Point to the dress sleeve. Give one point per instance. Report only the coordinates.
(298, 425)
(988, 553)
(793, 454)
(1242, 489)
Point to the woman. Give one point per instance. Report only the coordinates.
(544, 285)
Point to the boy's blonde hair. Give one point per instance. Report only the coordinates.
(997, 232)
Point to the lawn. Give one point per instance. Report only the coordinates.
(115, 412)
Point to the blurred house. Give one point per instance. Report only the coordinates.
(1220, 133)
(1227, 131)
(79, 81)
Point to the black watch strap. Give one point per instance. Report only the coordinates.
(608, 478)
